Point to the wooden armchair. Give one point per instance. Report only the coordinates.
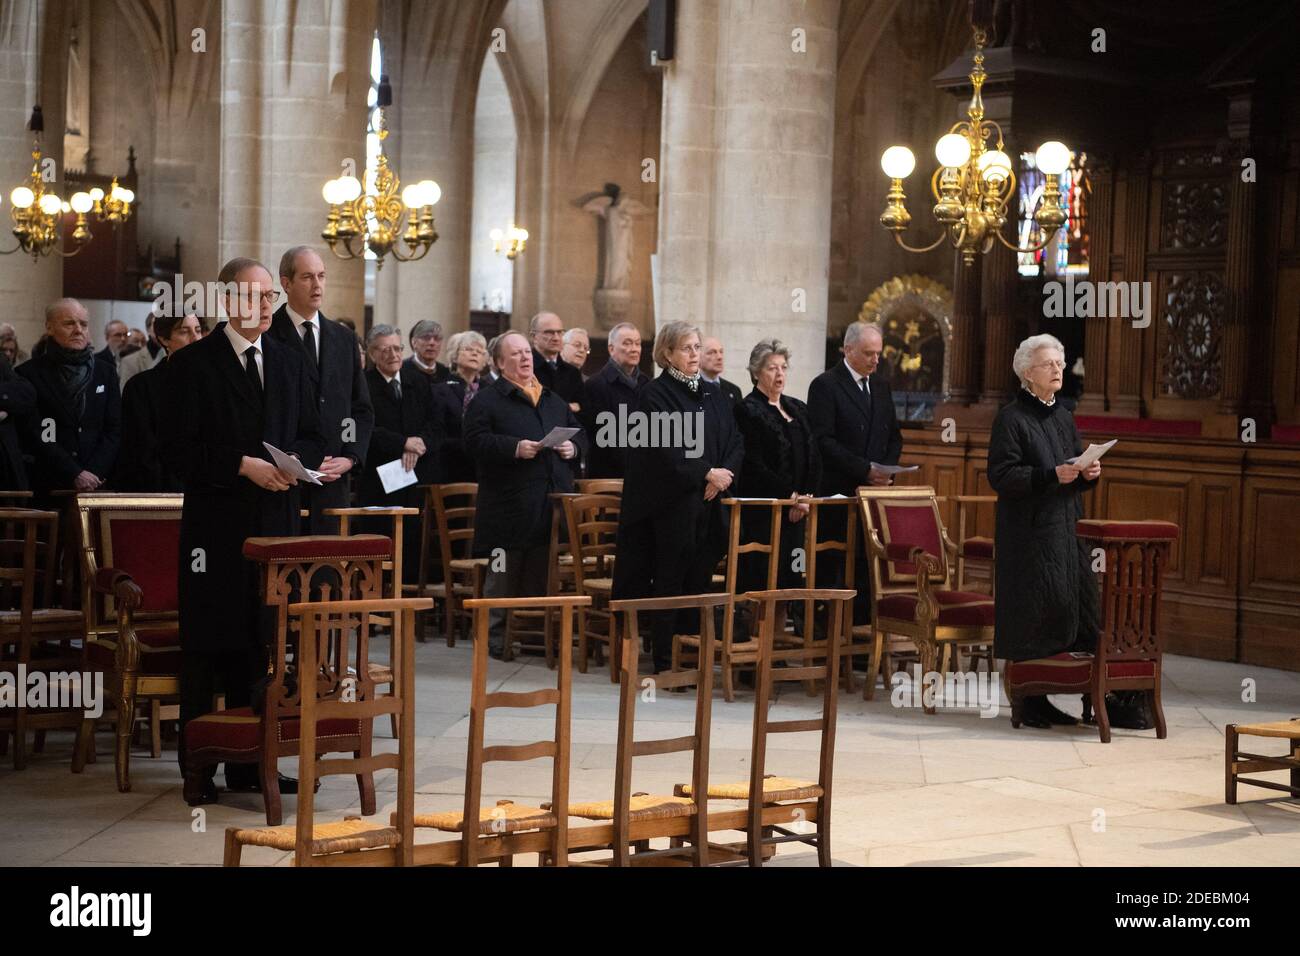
(973, 549)
(484, 830)
(911, 594)
(130, 554)
(334, 646)
(763, 792)
(319, 569)
(35, 637)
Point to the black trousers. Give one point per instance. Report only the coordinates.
(316, 498)
(204, 673)
(522, 572)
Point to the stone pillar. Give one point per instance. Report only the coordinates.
(293, 94)
(745, 188)
(1096, 368)
(32, 71)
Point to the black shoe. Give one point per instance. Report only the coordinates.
(1032, 714)
(200, 795)
(1049, 712)
(1129, 711)
(496, 653)
(243, 784)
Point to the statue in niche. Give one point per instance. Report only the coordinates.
(618, 215)
(76, 130)
(915, 315)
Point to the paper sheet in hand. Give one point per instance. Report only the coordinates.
(1093, 453)
(559, 436)
(292, 466)
(395, 477)
(894, 469)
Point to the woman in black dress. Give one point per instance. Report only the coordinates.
(467, 355)
(1047, 600)
(672, 530)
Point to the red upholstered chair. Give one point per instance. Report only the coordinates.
(130, 549)
(1129, 647)
(972, 549)
(295, 570)
(911, 590)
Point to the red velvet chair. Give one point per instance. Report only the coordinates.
(130, 549)
(295, 570)
(1129, 647)
(911, 591)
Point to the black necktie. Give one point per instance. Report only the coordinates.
(250, 369)
(309, 343)
(397, 390)
(866, 394)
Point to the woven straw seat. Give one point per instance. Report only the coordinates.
(46, 616)
(1289, 729)
(643, 806)
(345, 836)
(505, 817)
(774, 789)
(380, 673)
(598, 584)
(468, 564)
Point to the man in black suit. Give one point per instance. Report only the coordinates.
(17, 404)
(232, 391)
(334, 368)
(426, 346)
(547, 333)
(504, 427)
(76, 430)
(852, 412)
(616, 386)
(140, 467)
(711, 371)
(116, 332)
(405, 428)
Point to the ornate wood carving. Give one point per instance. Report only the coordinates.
(1193, 317)
(1195, 215)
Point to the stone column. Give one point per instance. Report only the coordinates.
(32, 71)
(293, 94)
(745, 190)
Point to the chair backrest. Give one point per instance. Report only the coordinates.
(28, 559)
(1134, 557)
(898, 520)
(593, 530)
(453, 510)
(559, 697)
(137, 534)
(334, 646)
(839, 610)
(396, 516)
(630, 688)
(736, 547)
(599, 486)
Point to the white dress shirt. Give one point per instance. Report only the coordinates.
(858, 380)
(242, 345)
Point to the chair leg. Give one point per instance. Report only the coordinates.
(728, 675)
(233, 849)
(1229, 756)
(1017, 702)
(366, 787)
(582, 640)
(155, 728)
(271, 790)
(20, 738)
(122, 742)
(4, 742)
(873, 667)
(1103, 718)
(1295, 771)
(85, 742)
(38, 745)
(1162, 731)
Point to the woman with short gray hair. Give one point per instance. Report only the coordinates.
(1046, 599)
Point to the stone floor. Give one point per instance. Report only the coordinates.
(910, 789)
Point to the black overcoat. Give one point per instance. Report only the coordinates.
(1047, 599)
(607, 391)
(851, 438)
(86, 442)
(513, 510)
(565, 380)
(221, 422)
(139, 466)
(18, 402)
(394, 423)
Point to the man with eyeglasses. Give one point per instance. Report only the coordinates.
(230, 393)
(577, 346)
(333, 365)
(547, 333)
(426, 346)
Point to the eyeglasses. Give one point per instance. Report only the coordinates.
(391, 350)
(688, 349)
(425, 339)
(1058, 366)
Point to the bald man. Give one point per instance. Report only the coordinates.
(547, 334)
(711, 370)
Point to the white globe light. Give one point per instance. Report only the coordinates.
(97, 194)
(952, 150)
(897, 162)
(329, 192)
(432, 192)
(522, 234)
(496, 235)
(51, 204)
(128, 196)
(81, 203)
(1053, 158)
(994, 164)
(349, 188)
(22, 198)
(413, 196)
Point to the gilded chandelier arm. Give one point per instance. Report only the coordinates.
(934, 245)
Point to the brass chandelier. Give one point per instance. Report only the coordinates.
(973, 184)
(509, 242)
(38, 214)
(372, 219)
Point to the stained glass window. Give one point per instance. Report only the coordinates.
(1068, 250)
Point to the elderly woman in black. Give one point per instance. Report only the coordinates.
(782, 460)
(672, 530)
(1047, 600)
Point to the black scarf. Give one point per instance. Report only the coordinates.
(76, 367)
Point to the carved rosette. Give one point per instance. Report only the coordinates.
(1193, 323)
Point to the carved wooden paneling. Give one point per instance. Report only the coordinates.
(1272, 526)
(1191, 327)
(1216, 555)
(1195, 215)
(1138, 495)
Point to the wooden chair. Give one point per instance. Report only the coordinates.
(334, 646)
(320, 569)
(35, 637)
(1129, 647)
(1238, 762)
(976, 549)
(910, 557)
(853, 641)
(130, 554)
(638, 818)
(482, 828)
(463, 574)
(599, 486)
(764, 791)
(593, 530)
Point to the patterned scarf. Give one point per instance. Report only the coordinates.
(533, 390)
(690, 381)
(76, 367)
(471, 389)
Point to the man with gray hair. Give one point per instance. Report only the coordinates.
(426, 346)
(116, 333)
(546, 331)
(577, 346)
(616, 386)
